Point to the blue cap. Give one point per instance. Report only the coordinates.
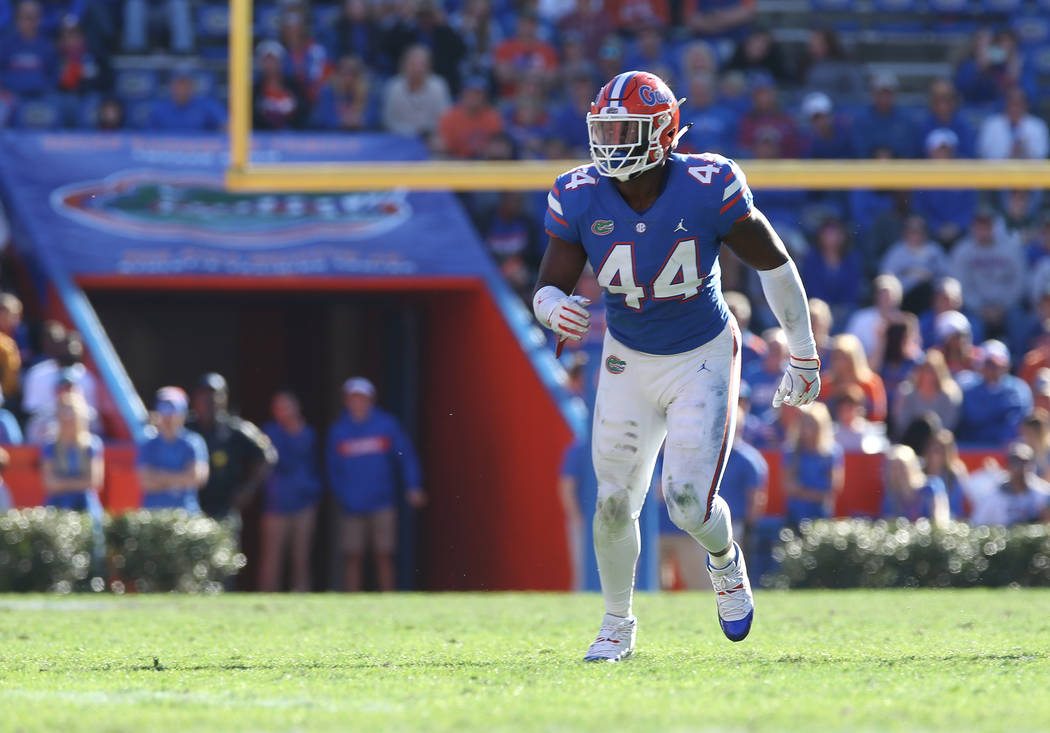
(171, 401)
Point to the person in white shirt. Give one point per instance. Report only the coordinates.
(416, 98)
(991, 268)
(41, 380)
(1014, 133)
(915, 260)
(1023, 497)
(868, 324)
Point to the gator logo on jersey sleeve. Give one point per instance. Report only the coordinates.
(615, 364)
(601, 227)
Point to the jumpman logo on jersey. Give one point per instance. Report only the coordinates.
(703, 367)
(681, 226)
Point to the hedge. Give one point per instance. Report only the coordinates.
(45, 549)
(861, 553)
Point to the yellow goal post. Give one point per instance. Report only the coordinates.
(243, 175)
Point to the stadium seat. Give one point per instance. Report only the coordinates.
(38, 114)
(213, 21)
(1032, 29)
(135, 84)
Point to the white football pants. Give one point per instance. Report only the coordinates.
(690, 399)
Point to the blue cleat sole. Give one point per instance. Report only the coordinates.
(737, 630)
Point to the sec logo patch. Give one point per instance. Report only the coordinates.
(615, 364)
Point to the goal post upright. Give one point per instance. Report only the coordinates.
(240, 84)
(431, 175)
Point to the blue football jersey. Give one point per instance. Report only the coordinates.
(658, 268)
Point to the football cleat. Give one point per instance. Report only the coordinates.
(736, 604)
(615, 640)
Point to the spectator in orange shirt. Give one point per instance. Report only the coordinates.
(466, 128)
(10, 356)
(1039, 356)
(525, 52)
(849, 366)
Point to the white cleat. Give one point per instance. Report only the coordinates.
(736, 604)
(615, 640)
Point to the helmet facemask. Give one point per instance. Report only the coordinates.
(623, 144)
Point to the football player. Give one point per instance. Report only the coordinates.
(651, 223)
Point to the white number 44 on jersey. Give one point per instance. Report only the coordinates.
(680, 277)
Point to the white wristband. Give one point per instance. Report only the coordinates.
(787, 299)
(544, 302)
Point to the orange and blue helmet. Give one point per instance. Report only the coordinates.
(633, 124)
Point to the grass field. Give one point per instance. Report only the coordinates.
(850, 661)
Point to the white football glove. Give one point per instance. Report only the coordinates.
(801, 383)
(566, 315)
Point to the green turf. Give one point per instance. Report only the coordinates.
(886, 660)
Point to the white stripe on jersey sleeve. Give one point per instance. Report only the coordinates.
(731, 189)
(554, 204)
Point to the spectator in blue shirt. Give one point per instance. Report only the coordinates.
(5, 495)
(173, 464)
(713, 124)
(752, 347)
(343, 102)
(885, 123)
(578, 489)
(832, 270)
(185, 110)
(993, 407)
(764, 375)
(10, 431)
(72, 460)
(745, 480)
(290, 496)
(995, 65)
(948, 213)
(72, 466)
(28, 61)
(908, 492)
(813, 466)
(650, 50)
(570, 118)
(369, 458)
(826, 136)
(943, 113)
(356, 33)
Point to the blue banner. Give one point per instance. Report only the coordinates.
(135, 204)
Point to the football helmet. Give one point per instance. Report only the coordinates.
(632, 125)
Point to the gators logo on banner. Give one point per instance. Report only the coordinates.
(197, 207)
